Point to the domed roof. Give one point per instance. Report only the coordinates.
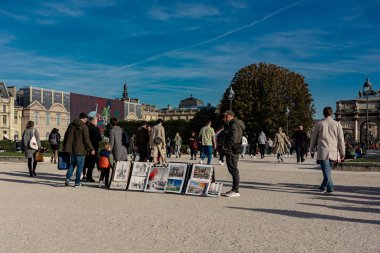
(190, 102)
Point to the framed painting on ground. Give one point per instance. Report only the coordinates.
(200, 179)
(177, 175)
(139, 176)
(157, 179)
(120, 175)
(215, 190)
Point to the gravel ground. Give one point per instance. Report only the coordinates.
(280, 210)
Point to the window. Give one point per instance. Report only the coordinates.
(58, 118)
(15, 119)
(4, 108)
(4, 120)
(36, 118)
(47, 118)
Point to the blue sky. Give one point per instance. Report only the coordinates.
(167, 50)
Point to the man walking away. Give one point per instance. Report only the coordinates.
(328, 137)
(262, 143)
(300, 138)
(157, 142)
(207, 135)
(142, 142)
(77, 142)
(232, 142)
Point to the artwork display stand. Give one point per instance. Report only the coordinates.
(178, 178)
(199, 180)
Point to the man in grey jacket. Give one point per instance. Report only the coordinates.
(231, 147)
(328, 137)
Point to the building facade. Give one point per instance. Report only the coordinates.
(47, 108)
(10, 114)
(352, 115)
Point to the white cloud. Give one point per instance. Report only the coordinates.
(13, 15)
(191, 11)
(6, 38)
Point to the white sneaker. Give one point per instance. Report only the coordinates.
(100, 183)
(221, 164)
(251, 156)
(232, 194)
(201, 162)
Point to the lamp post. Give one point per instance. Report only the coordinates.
(367, 92)
(287, 112)
(231, 96)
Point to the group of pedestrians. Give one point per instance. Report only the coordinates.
(82, 140)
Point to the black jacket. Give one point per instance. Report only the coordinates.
(232, 139)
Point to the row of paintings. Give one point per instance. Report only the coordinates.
(175, 178)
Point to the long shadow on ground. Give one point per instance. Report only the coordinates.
(306, 215)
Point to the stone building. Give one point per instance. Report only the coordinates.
(47, 108)
(186, 110)
(10, 114)
(352, 115)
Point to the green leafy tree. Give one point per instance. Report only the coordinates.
(262, 94)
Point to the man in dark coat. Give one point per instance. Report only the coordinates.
(142, 142)
(300, 138)
(231, 146)
(90, 161)
(77, 142)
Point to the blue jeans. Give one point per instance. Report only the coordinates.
(76, 161)
(207, 151)
(326, 170)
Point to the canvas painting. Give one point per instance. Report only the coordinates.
(174, 185)
(118, 185)
(202, 172)
(157, 179)
(139, 176)
(215, 190)
(141, 169)
(196, 187)
(137, 183)
(121, 171)
(177, 170)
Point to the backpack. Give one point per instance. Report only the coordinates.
(53, 139)
(125, 140)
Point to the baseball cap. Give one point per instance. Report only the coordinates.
(229, 112)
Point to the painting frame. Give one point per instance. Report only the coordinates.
(217, 191)
(157, 179)
(177, 177)
(139, 174)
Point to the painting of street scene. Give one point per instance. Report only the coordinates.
(202, 171)
(121, 172)
(177, 170)
(197, 187)
(137, 183)
(215, 190)
(174, 185)
(141, 169)
(158, 176)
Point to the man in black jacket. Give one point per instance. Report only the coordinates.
(90, 161)
(231, 146)
(300, 138)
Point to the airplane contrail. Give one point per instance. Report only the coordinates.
(155, 57)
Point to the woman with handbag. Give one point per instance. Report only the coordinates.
(280, 140)
(31, 143)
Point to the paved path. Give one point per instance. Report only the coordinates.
(279, 211)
